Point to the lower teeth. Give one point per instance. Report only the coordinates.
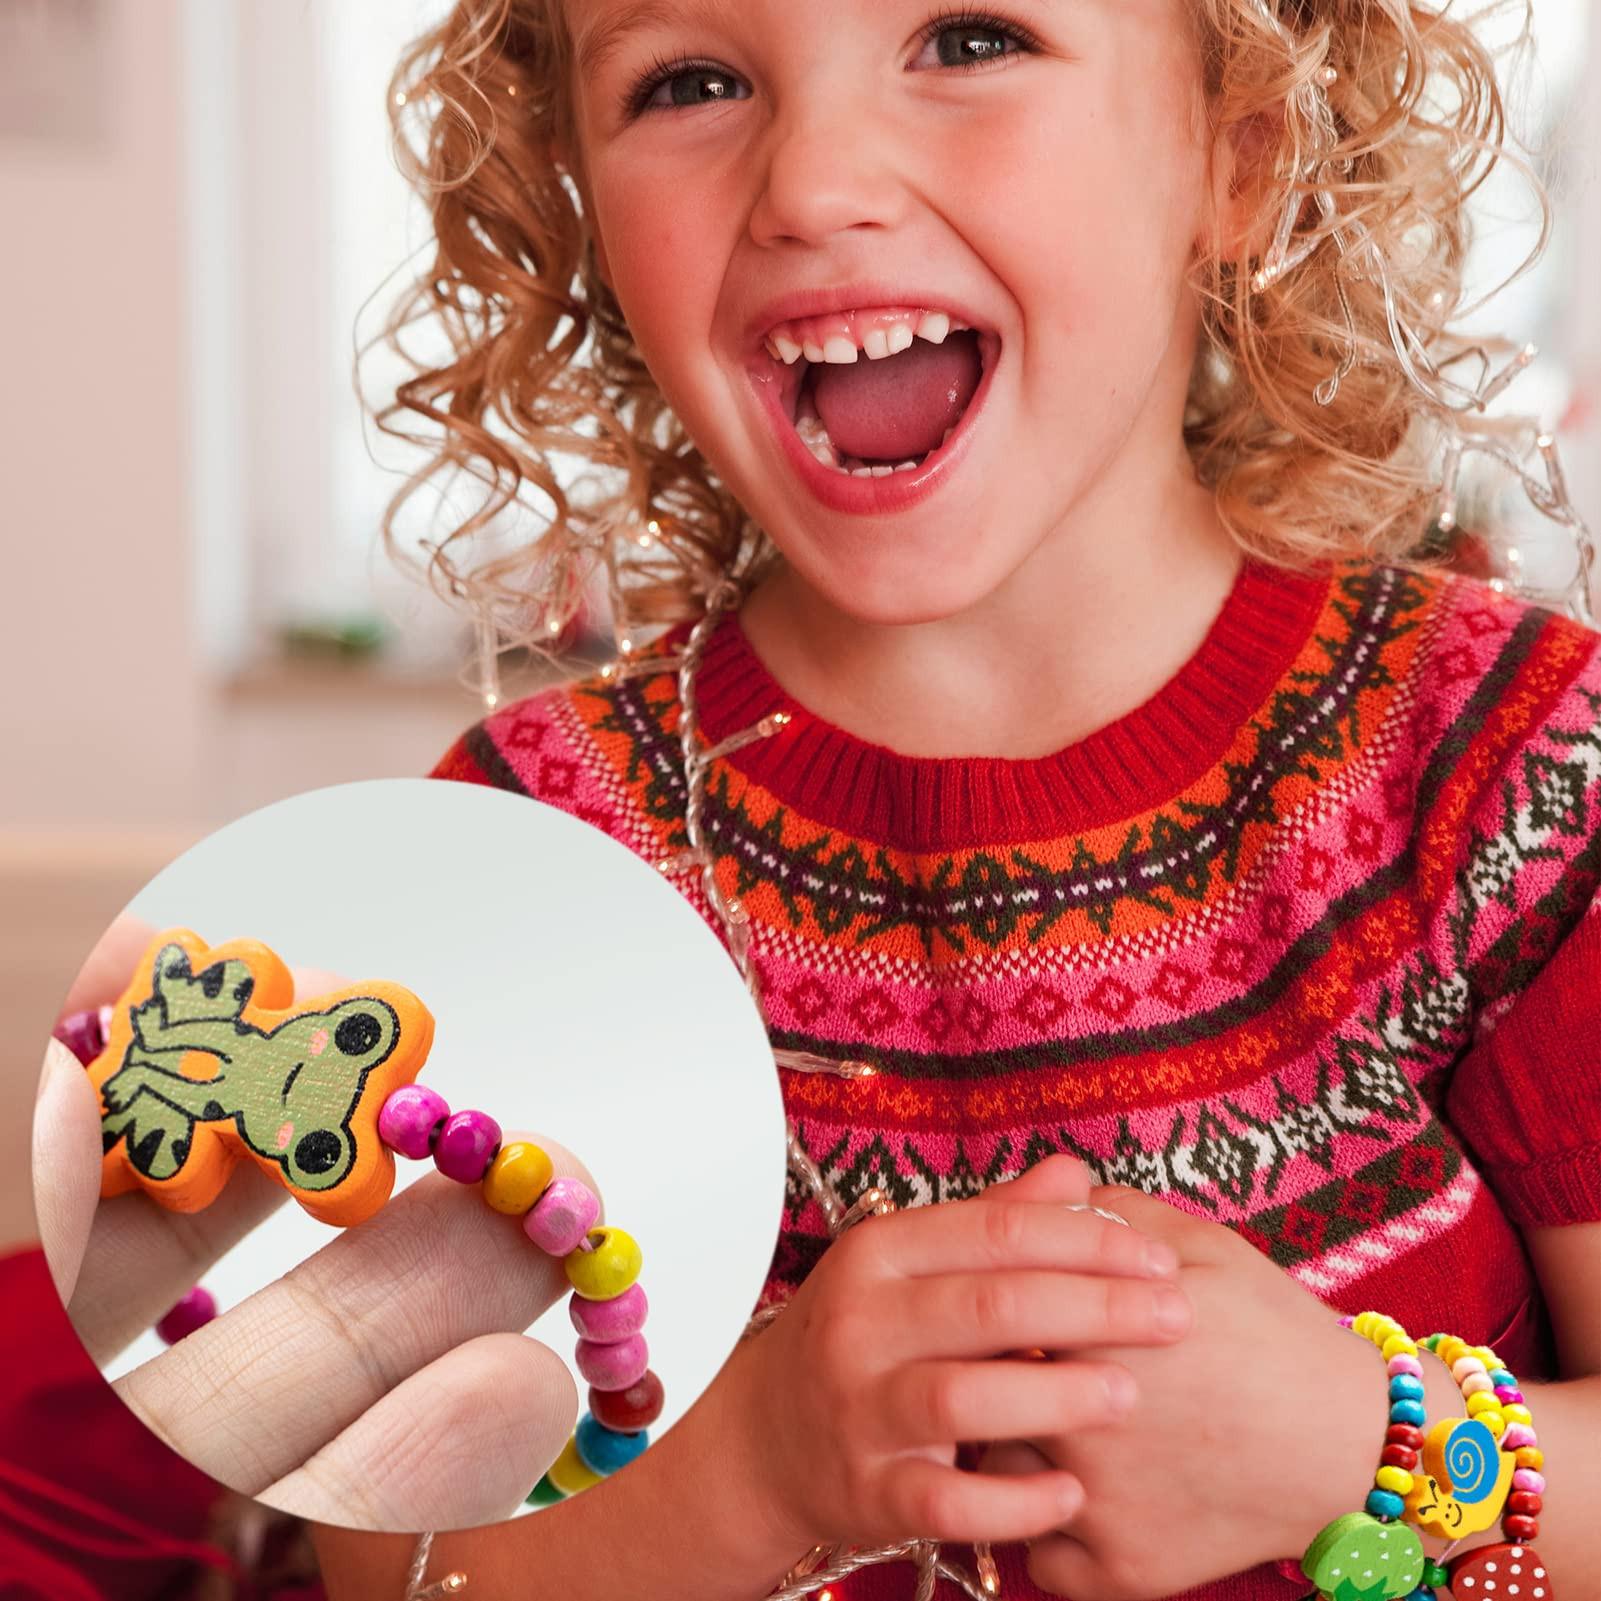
(815, 438)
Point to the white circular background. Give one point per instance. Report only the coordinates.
(574, 992)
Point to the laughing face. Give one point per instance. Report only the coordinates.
(915, 285)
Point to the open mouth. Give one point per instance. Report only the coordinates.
(879, 393)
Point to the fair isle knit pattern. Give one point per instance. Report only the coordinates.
(1309, 944)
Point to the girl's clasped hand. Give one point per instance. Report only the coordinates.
(893, 1352)
(1183, 1368)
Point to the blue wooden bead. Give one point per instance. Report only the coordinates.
(1385, 1504)
(1407, 1412)
(603, 1450)
(1501, 1376)
(1422, 1593)
(1406, 1387)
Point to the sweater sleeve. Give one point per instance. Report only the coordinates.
(1527, 1096)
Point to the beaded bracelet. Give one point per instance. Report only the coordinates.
(177, 1134)
(1481, 1466)
(1372, 1555)
(1468, 1466)
(608, 1305)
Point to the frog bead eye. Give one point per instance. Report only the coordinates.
(318, 1151)
(357, 1034)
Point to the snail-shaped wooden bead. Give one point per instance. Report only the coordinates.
(1465, 1479)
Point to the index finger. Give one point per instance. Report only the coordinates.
(996, 1233)
(257, 1391)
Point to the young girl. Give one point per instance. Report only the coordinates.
(1022, 418)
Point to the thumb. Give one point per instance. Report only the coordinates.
(66, 1164)
(1057, 1180)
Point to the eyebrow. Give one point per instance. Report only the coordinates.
(602, 42)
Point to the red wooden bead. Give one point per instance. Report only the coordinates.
(628, 1411)
(1404, 1434)
(1399, 1456)
(1525, 1502)
(1519, 1528)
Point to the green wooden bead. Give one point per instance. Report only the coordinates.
(544, 1493)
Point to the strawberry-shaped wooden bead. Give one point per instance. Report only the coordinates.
(1504, 1572)
(1358, 1558)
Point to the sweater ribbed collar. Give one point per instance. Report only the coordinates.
(933, 804)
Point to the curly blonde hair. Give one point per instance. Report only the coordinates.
(543, 365)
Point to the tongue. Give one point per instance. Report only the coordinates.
(899, 406)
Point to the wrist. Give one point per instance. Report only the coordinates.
(740, 1409)
(1347, 1417)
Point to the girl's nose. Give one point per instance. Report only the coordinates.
(827, 172)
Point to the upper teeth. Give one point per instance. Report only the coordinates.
(839, 336)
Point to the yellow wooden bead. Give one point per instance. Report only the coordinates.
(606, 1271)
(1484, 1401)
(1529, 1456)
(1517, 1414)
(1396, 1479)
(517, 1178)
(1399, 1345)
(1494, 1422)
(1450, 1349)
(1486, 1356)
(569, 1473)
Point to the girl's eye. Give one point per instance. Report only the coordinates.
(972, 40)
(666, 84)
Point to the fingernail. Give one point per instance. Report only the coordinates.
(1172, 1310)
(1121, 1390)
(1160, 1258)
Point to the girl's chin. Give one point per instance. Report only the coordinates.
(873, 585)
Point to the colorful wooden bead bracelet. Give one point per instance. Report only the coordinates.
(1372, 1555)
(1452, 1481)
(1486, 1465)
(207, 1060)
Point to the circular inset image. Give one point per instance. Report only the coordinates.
(425, 1161)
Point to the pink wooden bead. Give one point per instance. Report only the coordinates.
(1464, 1365)
(194, 1311)
(466, 1146)
(1517, 1434)
(1476, 1384)
(410, 1118)
(562, 1216)
(1508, 1395)
(606, 1322)
(613, 1366)
(1528, 1479)
(1404, 1364)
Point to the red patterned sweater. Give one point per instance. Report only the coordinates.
(1309, 943)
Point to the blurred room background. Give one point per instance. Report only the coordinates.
(202, 219)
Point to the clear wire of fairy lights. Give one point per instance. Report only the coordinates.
(1454, 406)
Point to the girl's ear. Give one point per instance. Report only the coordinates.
(1244, 179)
